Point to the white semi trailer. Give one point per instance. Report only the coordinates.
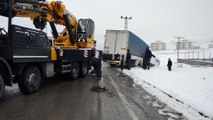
(118, 42)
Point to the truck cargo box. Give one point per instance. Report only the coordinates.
(118, 41)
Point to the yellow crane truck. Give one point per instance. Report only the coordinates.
(27, 56)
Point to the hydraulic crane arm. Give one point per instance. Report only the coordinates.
(56, 13)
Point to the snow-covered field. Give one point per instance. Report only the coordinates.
(187, 89)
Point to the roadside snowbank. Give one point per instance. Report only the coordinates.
(187, 89)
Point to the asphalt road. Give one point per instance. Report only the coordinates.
(60, 99)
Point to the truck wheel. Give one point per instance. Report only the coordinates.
(30, 80)
(74, 71)
(112, 65)
(2, 87)
(84, 69)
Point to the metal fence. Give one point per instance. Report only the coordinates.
(204, 54)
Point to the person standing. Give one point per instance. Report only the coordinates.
(98, 84)
(147, 58)
(169, 64)
(128, 59)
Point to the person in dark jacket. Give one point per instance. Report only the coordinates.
(128, 59)
(147, 58)
(169, 65)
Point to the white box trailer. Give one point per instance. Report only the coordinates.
(119, 41)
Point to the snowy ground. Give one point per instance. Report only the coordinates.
(187, 89)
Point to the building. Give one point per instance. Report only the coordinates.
(210, 46)
(158, 46)
(184, 45)
(195, 47)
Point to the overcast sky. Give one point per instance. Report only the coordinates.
(152, 19)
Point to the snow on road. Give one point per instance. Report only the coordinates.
(187, 89)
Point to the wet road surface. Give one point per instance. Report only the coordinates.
(72, 100)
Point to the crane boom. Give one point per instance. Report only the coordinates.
(76, 34)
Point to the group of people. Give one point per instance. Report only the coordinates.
(98, 85)
(146, 60)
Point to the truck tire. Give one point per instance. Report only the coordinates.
(30, 80)
(112, 65)
(2, 87)
(84, 69)
(74, 73)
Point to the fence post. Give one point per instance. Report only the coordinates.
(198, 55)
(193, 54)
(188, 54)
(203, 56)
(185, 54)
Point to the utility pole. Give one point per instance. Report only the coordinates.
(178, 47)
(126, 21)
